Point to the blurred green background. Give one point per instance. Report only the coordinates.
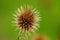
(49, 10)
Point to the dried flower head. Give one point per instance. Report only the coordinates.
(27, 18)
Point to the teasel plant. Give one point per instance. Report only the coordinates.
(27, 20)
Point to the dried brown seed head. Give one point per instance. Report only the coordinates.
(26, 19)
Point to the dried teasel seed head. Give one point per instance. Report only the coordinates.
(27, 18)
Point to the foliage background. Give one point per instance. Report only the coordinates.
(49, 10)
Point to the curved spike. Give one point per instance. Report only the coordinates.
(13, 21)
(34, 10)
(34, 27)
(19, 35)
(14, 15)
(16, 12)
(19, 10)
